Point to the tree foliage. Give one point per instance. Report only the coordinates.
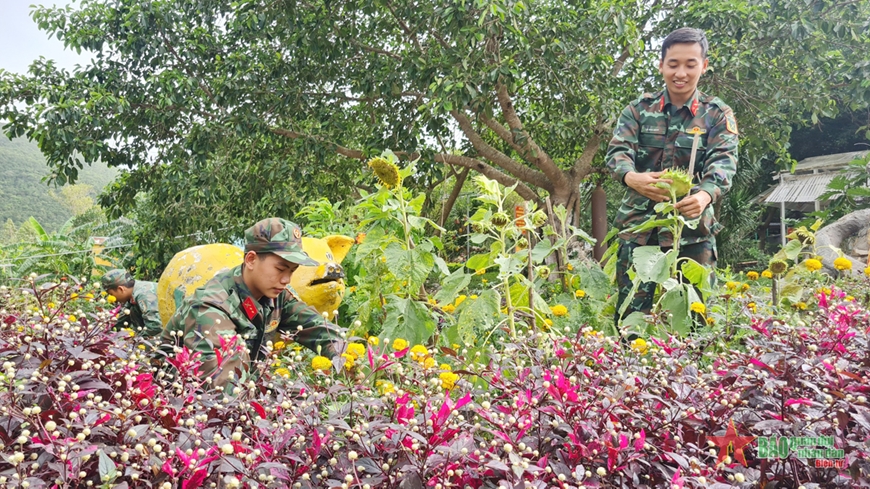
(524, 93)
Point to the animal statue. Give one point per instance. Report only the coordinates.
(841, 235)
(321, 287)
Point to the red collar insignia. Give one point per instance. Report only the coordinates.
(662, 104)
(250, 308)
(694, 107)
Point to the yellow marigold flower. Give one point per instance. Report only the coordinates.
(504, 310)
(419, 352)
(730, 285)
(639, 345)
(71, 318)
(445, 366)
(282, 372)
(449, 308)
(812, 264)
(448, 380)
(428, 362)
(711, 320)
(579, 293)
(752, 275)
(484, 281)
(480, 271)
(352, 289)
(698, 307)
(73, 296)
(548, 323)
(751, 306)
(321, 363)
(50, 305)
(89, 295)
(374, 341)
(141, 347)
(349, 360)
(867, 271)
(279, 345)
(399, 344)
(767, 274)
(849, 298)
(111, 299)
(356, 349)
(103, 293)
(843, 264)
(385, 387)
(472, 296)
(130, 331)
(386, 171)
(744, 287)
(383, 259)
(570, 267)
(800, 305)
(559, 310)
(432, 301)
(460, 300)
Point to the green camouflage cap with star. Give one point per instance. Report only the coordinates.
(115, 278)
(279, 236)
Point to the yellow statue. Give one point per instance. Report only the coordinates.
(321, 287)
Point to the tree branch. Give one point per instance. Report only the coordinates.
(583, 164)
(542, 159)
(490, 172)
(521, 172)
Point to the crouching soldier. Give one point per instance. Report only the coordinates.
(250, 304)
(138, 300)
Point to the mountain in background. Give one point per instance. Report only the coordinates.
(23, 193)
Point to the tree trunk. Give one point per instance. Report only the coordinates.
(454, 194)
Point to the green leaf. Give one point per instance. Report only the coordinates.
(676, 302)
(475, 322)
(651, 264)
(480, 261)
(652, 224)
(442, 265)
(107, 468)
(412, 265)
(452, 286)
(410, 320)
(541, 250)
(792, 249)
(594, 282)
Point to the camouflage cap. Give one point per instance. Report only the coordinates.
(279, 236)
(115, 278)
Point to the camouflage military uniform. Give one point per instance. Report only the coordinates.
(141, 312)
(652, 135)
(225, 308)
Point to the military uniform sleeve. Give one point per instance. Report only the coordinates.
(150, 313)
(315, 330)
(622, 151)
(720, 163)
(202, 328)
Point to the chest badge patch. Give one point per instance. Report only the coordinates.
(273, 325)
(250, 308)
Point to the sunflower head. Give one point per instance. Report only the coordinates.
(777, 267)
(681, 181)
(386, 171)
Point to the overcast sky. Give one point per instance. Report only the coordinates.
(21, 41)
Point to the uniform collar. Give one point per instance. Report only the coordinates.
(246, 298)
(691, 104)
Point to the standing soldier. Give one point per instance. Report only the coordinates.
(655, 133)
(250, 303)
(138, 297)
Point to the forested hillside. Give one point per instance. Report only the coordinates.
(22, 192)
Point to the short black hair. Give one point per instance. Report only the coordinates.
(686, 35)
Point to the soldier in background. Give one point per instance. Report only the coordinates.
(138, 299)
(652, 135)
(252, 304)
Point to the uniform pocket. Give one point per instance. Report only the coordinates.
(683, 151)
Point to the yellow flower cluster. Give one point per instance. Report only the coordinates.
(559, 310)
(385, 387)
(812, 264)
(356, 349)
(579, 293)
(111, 299)
(419, 352)
(752, 275)
(321, 363)
(767, 274)
(730, 285)
(843, 264)
(800, 305)
(282, 372)
(639, 345)
(279, 345)
(349, 360)
(71, 318)
(698, 307)
(448, 380)
(373, 340)
(449, 308)
(867, 271)
(480, 271)
(399, 344)
(752, 307)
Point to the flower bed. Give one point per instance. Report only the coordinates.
(81, 406)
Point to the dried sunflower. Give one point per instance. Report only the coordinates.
(386, 171)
